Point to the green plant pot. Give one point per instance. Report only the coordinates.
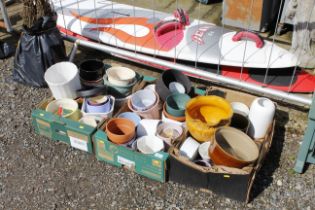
(176, 104)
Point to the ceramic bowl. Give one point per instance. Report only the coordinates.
(147, 127)
(233, 148)
(162, 83)
(97, 100)
(120, 76)
(143, 100)
(169, 132)
(121, 91)
(150, 144)
(151, 113)
(204, 114)
(101, 104)
(120, 130)
(68, 107)
(176, 87)
(176, 104)
(131, 116)
(91, 70)
(169, 116)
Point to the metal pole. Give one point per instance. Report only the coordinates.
(207, 75)
(6, 19)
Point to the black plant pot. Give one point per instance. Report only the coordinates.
(172, 76)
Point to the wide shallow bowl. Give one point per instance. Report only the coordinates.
(233, 148)
(143, 99)
(176, 104)
(162, 83)
(68, 108)
(131, 116)
(204, 114)
(120, 130)
(150, 144)
(120, 76)
(120, 91)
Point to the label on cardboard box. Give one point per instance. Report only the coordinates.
(78, 143)
(126, 162)
(44, 128)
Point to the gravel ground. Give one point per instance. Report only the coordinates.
(37, 173)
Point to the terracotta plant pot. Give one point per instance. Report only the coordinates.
(120, 130)
(233, 148)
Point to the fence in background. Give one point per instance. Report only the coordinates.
(286, 96)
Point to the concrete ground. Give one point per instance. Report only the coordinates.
(36, 173)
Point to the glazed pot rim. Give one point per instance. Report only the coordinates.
(167, 115)
(130, 122)
(215, 143)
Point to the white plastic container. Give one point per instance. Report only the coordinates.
(261, 114)
(63, 80)
(189, 148)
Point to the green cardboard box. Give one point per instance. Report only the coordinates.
(57, 128)
(152, 166)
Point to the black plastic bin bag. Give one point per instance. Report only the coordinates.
(39, 47)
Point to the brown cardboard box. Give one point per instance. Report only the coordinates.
(231, 182)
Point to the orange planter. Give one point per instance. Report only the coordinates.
(233, 148)
(120, 130)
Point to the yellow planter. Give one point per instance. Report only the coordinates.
(204, 114)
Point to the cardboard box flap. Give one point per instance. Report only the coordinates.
(174, 152)
(79, 127)
(41, 114)
(231, 95)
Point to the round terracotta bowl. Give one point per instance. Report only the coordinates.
(167, 115)
(120, 130)
(233, 148)
(202, 118)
